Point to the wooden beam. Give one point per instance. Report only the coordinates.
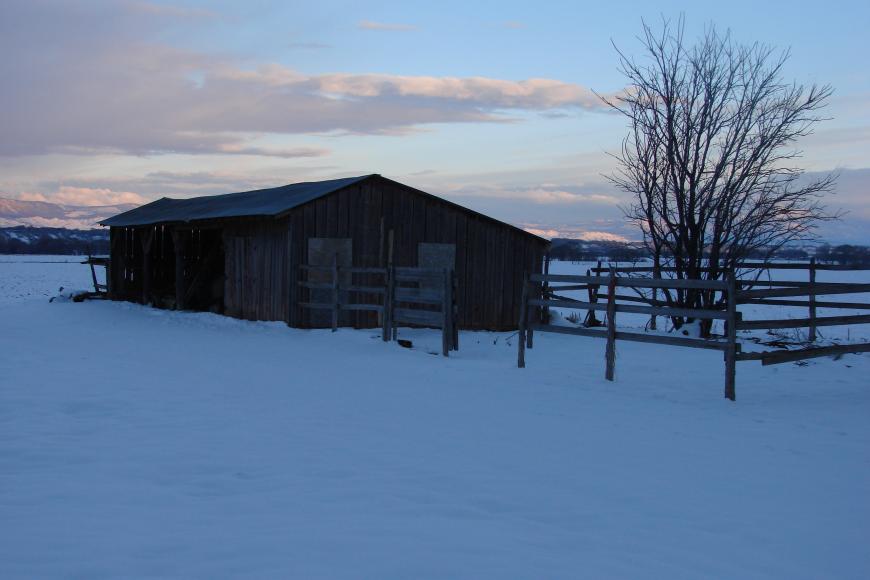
(805, 303)
(812, 330)
(804, 322)
(146, 239)
(632, 282)
(732, 347)
(775, 358)
(610, 352)
(829, 288)
(179, 242)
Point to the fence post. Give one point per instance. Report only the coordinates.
(657, 274)
(610, 354)
(731, 348)
(521, 343)
(394, 329)
(812, 331)
(545, 313)
(385, 315)
(454, 309)
(530, 328)
(446, 331)
(334, 292)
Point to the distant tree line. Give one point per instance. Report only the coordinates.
(590, 251)
(845, 254)
(583, 251)
(28, 240)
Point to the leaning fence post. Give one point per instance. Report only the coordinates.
(812, 331)
(731, 346)
(521, 342)
(610, 354)
(334, 292)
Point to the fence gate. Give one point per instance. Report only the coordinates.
(417, 296)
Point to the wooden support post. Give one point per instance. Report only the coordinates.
(292, 286)
(546, 290)
(530, 328)
(812, 330)
(179, 242)
(391, 281)
(386, 314)
(610, 353)
(524, 308)
(591, 320)
(335, 292)
(94, 276)
(731, 348)
(657, 274)
(446, 331)
(454, 310)
(391, 292)
(110, 271)
(147, 239)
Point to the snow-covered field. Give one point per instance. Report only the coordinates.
(143, 443)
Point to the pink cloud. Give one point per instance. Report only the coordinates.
(84, 196)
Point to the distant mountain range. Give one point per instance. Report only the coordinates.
(43, 214)
(40, 227)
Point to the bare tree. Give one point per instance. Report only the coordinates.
(710, 152)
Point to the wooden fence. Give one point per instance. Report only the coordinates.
(100, 290)
(416, 296)
(542, 292)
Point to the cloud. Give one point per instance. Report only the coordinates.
(236, 149)
(84, 196)
(545, 194)
(574, 234)
(513, 25)
(370, 25)
(97, 80)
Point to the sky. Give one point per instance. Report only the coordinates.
(492, 105)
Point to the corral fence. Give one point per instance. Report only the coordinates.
(424, 297)
(542, 292)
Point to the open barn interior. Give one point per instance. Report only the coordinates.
(169, 267)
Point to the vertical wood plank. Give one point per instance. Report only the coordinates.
(731, 350)
(335, 293)
(812, 297)
(179, 243)
(610, 354)
(524, 307)
(446, 331)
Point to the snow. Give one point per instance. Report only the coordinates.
(26, 277)
(138, 443)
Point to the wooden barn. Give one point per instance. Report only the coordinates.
(246, 254)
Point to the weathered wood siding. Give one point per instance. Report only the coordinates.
(256, 269)
(490, 256)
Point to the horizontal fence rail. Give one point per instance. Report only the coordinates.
(407, 295)
(656, 298)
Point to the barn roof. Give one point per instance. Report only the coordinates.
(272, 202)
(260, 202)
